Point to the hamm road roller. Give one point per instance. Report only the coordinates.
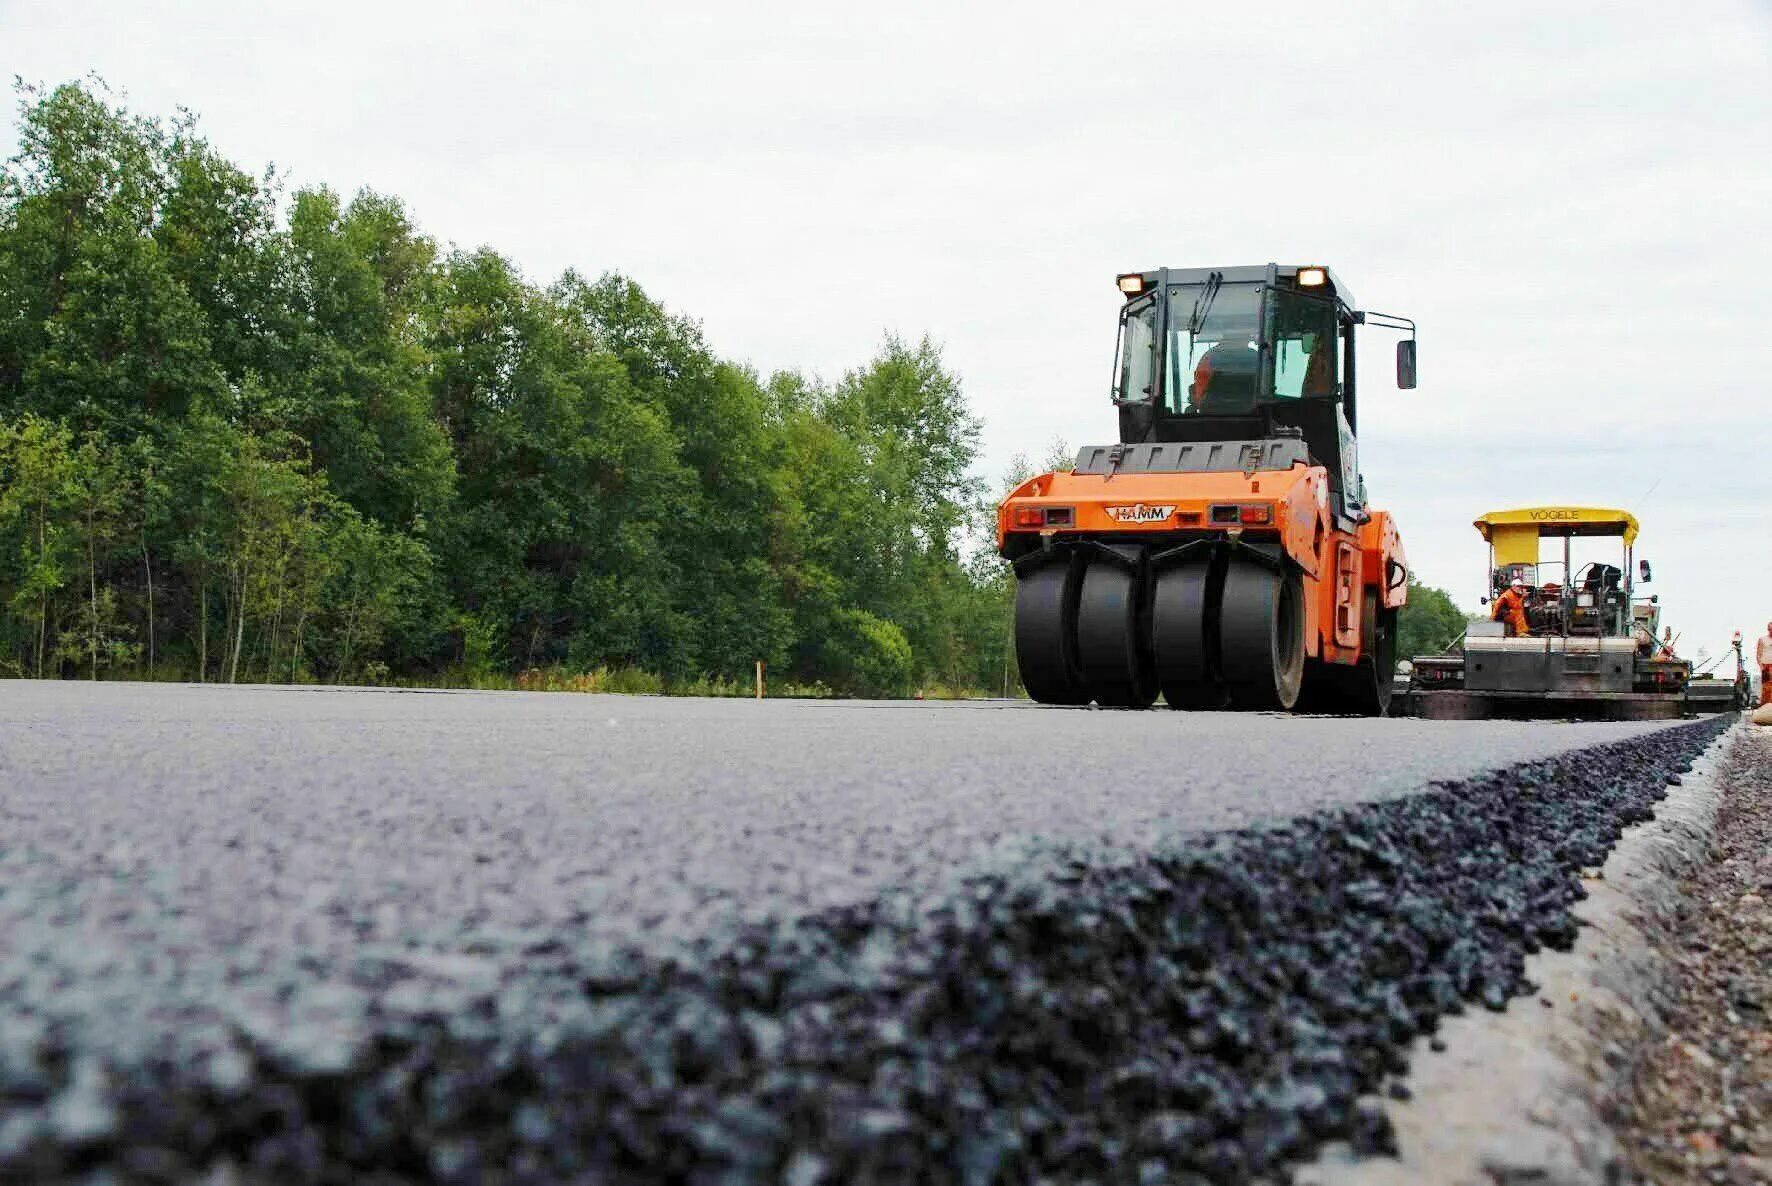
(1222, 552)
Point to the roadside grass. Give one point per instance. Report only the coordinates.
(635, 681)
(621, 681)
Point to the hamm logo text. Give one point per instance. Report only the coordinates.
(1140, 513)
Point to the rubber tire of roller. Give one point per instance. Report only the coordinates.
(1369, 684)
(1261, 636)
(1046, 634)
(1179, 601)
(1324, 690)
(1111, 651)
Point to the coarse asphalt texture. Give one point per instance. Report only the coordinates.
(272, 934)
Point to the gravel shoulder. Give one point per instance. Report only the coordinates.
(1698, 1109)
(1644, 1054)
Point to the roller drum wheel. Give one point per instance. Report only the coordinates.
(1321, 692)
(1182, 633)
(1364, 688)
(1111, 648)
(1261, 635)
(1369, 681)
(1046, 633)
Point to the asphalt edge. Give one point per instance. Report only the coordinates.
(1523, 1096)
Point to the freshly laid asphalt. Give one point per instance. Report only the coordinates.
(255, 809)
(229, 917)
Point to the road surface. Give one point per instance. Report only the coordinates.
(325, 933)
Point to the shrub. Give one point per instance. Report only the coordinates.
(868, 656)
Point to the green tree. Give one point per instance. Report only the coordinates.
(94, 325)
(356, 387)
(1429, 621)
(316, 446)
(570, 481)
(867, 656)
(910, 415)
(267, 496)
(906, 416)
(39, 486)
(97, 635)
(152, 517)
(215, 228)
(371, 575)
(827, 548)
(726, 595)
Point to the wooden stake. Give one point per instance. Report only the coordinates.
(759, 679)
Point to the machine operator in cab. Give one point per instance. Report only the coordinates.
(1510, 609)
(1225, 376)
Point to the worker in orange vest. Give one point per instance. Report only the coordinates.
(1665, 648)
(1763, 656)
(1510, 608)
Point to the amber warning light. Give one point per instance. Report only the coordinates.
(1131, 284)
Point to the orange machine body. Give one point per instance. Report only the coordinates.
(1289, 508)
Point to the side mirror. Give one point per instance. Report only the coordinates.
(1406, 364)
(1643, 571)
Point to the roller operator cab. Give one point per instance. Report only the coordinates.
(1222, 552)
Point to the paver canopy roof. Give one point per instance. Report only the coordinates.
(1559, 521)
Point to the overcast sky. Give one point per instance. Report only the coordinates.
(1571, 199)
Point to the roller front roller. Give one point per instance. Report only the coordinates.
(1111, 617)
(1182, 633)
(1046, 631)
(1261, 635)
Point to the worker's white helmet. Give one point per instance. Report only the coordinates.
(1519, 582)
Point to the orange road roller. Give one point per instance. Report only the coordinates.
(1222, 553)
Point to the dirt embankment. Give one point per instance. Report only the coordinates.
(1700, 1110)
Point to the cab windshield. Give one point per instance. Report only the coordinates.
(1204, 340)
(1213, 362)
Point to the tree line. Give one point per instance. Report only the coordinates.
(249, 434)
(255, 435)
